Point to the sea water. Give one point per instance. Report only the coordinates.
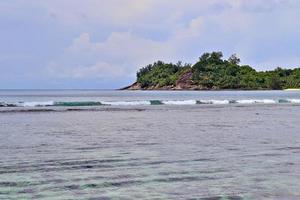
(93, 144)
(68, 98)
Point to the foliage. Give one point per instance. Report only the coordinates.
(160, 74)
(214, 72)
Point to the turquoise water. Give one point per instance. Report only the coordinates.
(138, 151)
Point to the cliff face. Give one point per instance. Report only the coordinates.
(184, 82)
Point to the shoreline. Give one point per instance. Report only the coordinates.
(208, 90)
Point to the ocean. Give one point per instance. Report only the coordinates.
(105, 144)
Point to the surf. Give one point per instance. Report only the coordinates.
(148, 102)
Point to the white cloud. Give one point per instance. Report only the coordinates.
(99, 70)
(121, 54)
(193, 30)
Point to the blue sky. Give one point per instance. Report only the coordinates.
(56, 44)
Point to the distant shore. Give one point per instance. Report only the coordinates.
(137, 87)
(127, 88)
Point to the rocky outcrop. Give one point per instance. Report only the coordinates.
(134, 86)
(184, 82)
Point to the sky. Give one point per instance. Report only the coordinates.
(100, 44)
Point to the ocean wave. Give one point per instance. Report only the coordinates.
(84, 103)
(27, 104)
(147, 102)
(180, 102)
(35, 104)
(257, 101)
(214, 102)
(126, 103)
(293, 100)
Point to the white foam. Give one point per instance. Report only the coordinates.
(219, 102)
(246, 101)
(294, 100)
(35, 104)
(266, 101)
(257, 101)
(180, 102)
(126, 103)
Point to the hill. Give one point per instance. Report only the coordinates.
(212, 72)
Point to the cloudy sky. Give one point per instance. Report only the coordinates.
(101, 43)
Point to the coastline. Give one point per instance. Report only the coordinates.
(208, 90)
(193, 87)
(172, 88)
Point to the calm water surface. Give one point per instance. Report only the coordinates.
(150, 152)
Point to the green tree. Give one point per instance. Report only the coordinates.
(233, 59)
(214, 72)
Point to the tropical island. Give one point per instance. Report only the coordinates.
(212, 72)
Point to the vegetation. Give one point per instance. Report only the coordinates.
(214, 72)
(161, 74)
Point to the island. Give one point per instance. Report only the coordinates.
(212, 72)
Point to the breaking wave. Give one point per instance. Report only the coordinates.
(147, 102)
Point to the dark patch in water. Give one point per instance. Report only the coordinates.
(272, 154)
(72, 187)
(51, 169)
(125, 153)
(89, 148)
(87, 162)
(100, 198)
(173, 173)
(204, 160)
(123, 176)
(146, 144)
(113, 184)
(27, 191)
(14, 184)
(156, 102)
(259, 179)
(4, 193)
(288, 148)
(212, 171)
(220, 198)
(181, 179)
(70, 165)
(177, 161)
(264, 155)
(8, 184)
(233, 149)
(289, 163)
(92, 185)
(88, 167)
(27, 111)
(265, 142)
(123, 183)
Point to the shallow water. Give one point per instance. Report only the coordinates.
(152, 152)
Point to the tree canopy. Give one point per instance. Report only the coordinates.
(213, 72)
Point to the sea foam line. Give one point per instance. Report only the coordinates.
(148, 102)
